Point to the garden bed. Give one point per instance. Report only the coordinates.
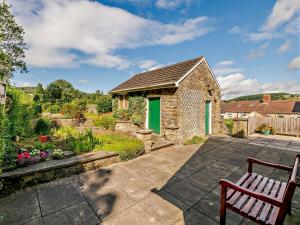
(53, 169)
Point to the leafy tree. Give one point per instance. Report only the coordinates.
(60, 90)
(12, 45)
(104, 104)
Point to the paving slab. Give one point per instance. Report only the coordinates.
(19, 208)
(80, 214)
(58, 196)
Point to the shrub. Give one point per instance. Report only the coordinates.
(38, 109)
(127, 147)
(104, 104)
(58, 154)
(83, 142)
(137, 119)
(121, 114)
(54, 108)
(8, 153)
(229, 125)
(105, 121)
(69, 110)
(194, 140)
(20, 112)
(43, 146)
(65, 132)
(80, 104)
(43, 126)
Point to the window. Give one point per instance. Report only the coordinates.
(229, 115)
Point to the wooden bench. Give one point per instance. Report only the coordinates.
(259, 198)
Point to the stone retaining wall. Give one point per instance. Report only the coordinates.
(127, 127)
(44, 172)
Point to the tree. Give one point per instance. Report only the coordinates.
(57, 88)
(12, 46)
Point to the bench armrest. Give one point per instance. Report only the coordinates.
(274, 165)
(265, 198)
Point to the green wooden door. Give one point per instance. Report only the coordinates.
(207, 117)
(154, 115)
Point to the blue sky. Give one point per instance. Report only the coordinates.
(252, 46)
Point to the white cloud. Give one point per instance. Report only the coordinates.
(286, 46)
(235, 30)
(83, 81)
(147, 64)
(238, 84)
(171, 4)
(225, 67)
(294, 64)
(284, 19)
(282, 12)
(258, 52)
(64, 33)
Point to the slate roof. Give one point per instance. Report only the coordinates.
(273, 107)
(165, 76)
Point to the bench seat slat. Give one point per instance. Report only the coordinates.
(252, 200)
(259, 203)
(275, 210)
(244, 198)
(266, 209)
(236, 195)
(240, 181)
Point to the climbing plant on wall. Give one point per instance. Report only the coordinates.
(136, 109)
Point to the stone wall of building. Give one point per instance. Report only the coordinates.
(199, 84)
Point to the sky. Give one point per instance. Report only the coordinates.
(252, 46)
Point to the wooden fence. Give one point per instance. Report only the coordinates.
(286, 126)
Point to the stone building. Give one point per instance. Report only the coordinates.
(182, 100)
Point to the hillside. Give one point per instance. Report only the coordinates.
(274, 96)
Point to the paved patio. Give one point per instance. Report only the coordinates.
(177, 185)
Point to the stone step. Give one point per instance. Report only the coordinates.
(161, 144)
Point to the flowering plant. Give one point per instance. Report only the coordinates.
(43, 138)
(44, 155)
(23, 158)
(58, 154)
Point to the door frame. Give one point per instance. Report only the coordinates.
(147, 113)
(209, 119)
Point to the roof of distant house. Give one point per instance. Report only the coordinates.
(162, 77)
(272, 107)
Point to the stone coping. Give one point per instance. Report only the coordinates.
(56, 164)
(144, 131)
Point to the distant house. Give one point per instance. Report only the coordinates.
(182, 100)
(266, 107)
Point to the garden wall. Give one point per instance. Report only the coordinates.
(54, 169)
(127, 127)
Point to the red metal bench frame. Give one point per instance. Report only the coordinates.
(250, 191)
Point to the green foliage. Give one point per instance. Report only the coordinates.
(43, 146)
(121, 114)
(80, 104)
(38, 109)
(54, 108)
(65, 132)
(137, 119)
(104, 104)
(43, 126)
(136, 109)
(195, 140)
(8, 153)
(58, 154)
(106, 122)
(12, 45)
(229, 125)
(60, 90)
(20, 112)
(127, 147)
(114, 104)
(83, 142)
(274, 96)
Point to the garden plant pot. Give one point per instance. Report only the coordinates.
(266, 132)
